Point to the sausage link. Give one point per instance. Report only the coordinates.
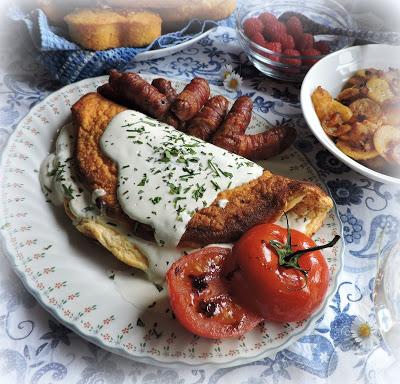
(264, 145)
(172, 120)
(107, 91)
(191, 99)
(134, 90)
(165, 87)
(234, 125)
(207, 121)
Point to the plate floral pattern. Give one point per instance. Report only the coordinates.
(73, 279)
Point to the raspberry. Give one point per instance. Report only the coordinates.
(258, 38)
(294, 27)
(287, 41)
(310, 52)
(251, 26)
(293, 62)
(322, 46)
(267, 18)
(274, 31)
(273, 46)
(305, 41)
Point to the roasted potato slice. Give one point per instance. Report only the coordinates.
(379, 90)
(327, 108)
(359, 142)
(345, 112)
(338, 130)
(348, 95)
(387, 143)
(356, 152)
(368, 73)
(361, 132)
(366, 109)
(322, 102)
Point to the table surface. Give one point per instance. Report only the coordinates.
(34, 348)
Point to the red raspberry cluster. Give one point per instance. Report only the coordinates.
(287, 38)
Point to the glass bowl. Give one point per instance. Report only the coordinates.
(326, 12)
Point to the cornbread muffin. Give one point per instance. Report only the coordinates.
(100, 29)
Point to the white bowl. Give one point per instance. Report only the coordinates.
(331, 73)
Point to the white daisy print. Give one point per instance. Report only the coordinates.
(233, 82)
(226, 71)
(364, 334)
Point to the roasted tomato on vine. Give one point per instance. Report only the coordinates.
(200, 299)
(283, 269)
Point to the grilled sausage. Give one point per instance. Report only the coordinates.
(234, 125)
(132, 89)
(165, 87)
(191, 99)
(208, 120)
(264, 145)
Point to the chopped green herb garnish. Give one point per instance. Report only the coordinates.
(198, 192)
(155, 200)
(215, 185)
(68, 191)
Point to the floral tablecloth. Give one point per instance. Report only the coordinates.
(35, 348)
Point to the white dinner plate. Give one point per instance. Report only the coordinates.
(331, 73)
(87, 289)
(162, 52)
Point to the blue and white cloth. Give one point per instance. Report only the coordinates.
(67, 62)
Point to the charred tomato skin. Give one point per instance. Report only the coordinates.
(200, 296)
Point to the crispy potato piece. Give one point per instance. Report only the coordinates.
(345, 112)
(387, 143)
(359, 142)
(368, 73)
(366, 109)
(356, 152)
(337, 131)
(379, 90)
(356, 81)
(348, 94)
(361, 132)
(322, 102)
(391, 111)
(332, 114)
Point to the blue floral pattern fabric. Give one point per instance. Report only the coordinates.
(34, 348)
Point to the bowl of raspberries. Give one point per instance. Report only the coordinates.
(281, 37)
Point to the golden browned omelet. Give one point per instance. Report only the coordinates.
(262, 200)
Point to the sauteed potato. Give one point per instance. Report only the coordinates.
(364, 119)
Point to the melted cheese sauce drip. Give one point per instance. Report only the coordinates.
(59, 182)
(166, 176)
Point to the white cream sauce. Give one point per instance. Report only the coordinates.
(59, 182)
(165, 176)
(295, 221)
(98, 192)
(222, 203)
